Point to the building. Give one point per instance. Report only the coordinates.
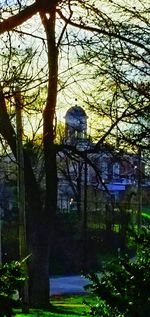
(102, 176)
(109, 175)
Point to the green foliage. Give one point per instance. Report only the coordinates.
(62, 306)
(123, 289)
(12, 277)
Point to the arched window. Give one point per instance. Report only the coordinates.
(104, 170)
(116, 170)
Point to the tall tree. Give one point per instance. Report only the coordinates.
(61, 24)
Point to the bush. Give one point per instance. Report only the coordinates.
(12, 277)
(124, 286)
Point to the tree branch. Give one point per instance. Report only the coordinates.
(18, 19)
(103, 31)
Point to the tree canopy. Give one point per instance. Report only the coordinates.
(100, 48)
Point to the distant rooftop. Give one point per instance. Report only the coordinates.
(75, 111)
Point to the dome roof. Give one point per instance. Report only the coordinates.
(76, 112)
(75, 123)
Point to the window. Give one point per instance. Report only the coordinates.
(104, 169)
(116, 170)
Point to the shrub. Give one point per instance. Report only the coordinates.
(123, 289)
(12, 277)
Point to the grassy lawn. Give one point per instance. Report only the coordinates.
(62, 306)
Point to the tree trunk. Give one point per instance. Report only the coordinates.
(38, 235)
(39, 291)
(40, 219)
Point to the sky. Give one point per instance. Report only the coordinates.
(76, 83)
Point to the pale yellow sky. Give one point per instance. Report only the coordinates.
(80, 84)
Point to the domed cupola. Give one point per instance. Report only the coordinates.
(75, 124)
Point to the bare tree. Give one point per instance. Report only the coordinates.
(67, 25)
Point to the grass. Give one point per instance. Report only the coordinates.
(146, 215)
(62, 306)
